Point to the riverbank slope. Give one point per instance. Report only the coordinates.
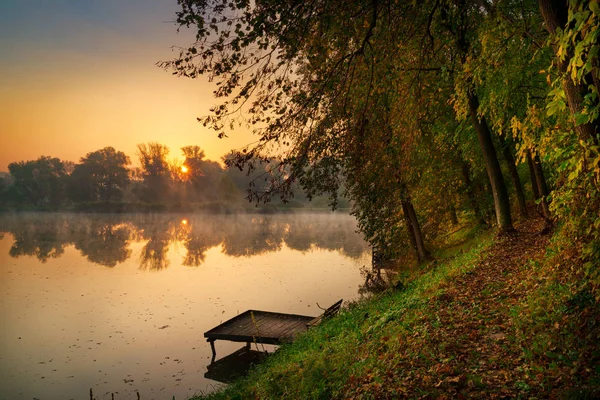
(495, 317)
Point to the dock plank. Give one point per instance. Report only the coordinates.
(272, 327)
(267, 327)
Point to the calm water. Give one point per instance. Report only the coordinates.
(119, 304)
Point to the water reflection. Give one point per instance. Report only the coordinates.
(234, 365)
(42, 240)
(106, 239)
(103, 243)
(378, 279)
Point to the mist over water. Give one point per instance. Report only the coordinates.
(119, 303)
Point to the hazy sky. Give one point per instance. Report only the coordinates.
(79, 75)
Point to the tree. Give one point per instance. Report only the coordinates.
(203, 177)
(3, 190)
(299, 61)
(101, 175)
(39, 182)
(344, 94)
(576, 66)
(155, 171)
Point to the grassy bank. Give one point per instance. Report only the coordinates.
(320, 363)
(491, 317)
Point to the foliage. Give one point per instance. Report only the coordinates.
(565, 133)
(357, 95)
(105, 182)
(343, 93)
(101, 175)
(39, 182)
(154, 170)
(3, 190)
(203, 176)
(579, 198)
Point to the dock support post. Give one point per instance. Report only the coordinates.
(212, 347)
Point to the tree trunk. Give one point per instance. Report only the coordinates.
(539, 175)
(450, 207)
(534, 184)
(492, 166)
(412, 223)
(555, 14)
(411, 231)
(471, 194)
(109, 186)
(538, 183)
(453, 216)
(514, 176)
(422, 252)
(542, 187)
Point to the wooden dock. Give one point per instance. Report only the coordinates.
(255, 326)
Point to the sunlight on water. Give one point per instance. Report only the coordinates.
(119, 304)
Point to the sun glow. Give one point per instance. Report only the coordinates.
(184, 169)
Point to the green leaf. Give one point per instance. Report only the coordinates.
(581, 119)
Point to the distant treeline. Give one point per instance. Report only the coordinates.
(105, 181)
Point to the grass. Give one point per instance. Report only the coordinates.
(492, 316)
(558, 328)
(355, 347)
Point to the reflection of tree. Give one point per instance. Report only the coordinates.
(201, 235)
(377, 280)
(104, 243)
(325, 231)
(159, 234)
(253, 235)
(105, 239)
(154, 254)
(41, 239)
(196, 249)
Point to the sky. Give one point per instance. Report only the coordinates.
(80, 75)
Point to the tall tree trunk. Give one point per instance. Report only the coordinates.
(538, 183)
(453, 216)
(423, 253)
(108, 190)
(411, 230)
(412, 223)
(539, 175)
(534, 184)
(450, 207)
(514, 176)
(555, 14)
(471, 194)
(542, 187)
(492, 166)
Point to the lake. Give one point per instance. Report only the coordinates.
(119, 303)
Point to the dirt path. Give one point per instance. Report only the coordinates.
(476, 321)
(466, 342)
